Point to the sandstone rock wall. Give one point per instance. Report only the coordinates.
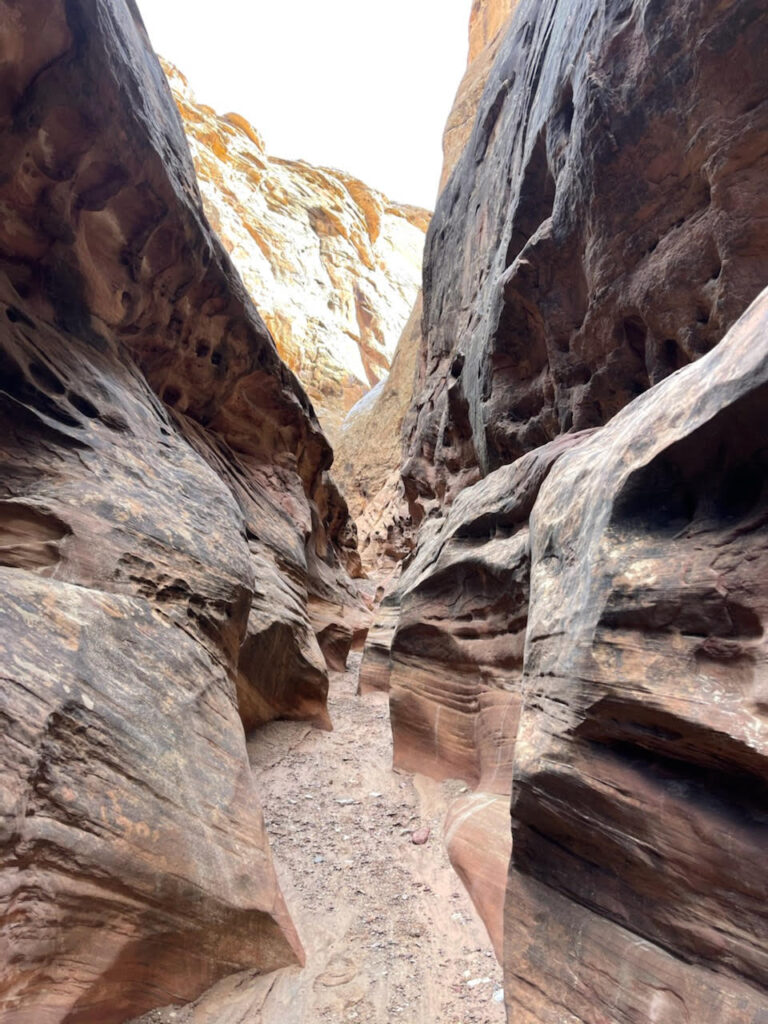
(369, 457)
(333, 265)
(600, 231)
(487, 21)
(371, 480)
(641, 760)
(171, 545)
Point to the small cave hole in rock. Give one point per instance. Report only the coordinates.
(635, 333)
(46, 378)
(672, 355)
(83, 405)
(171, 396)
(17, 317)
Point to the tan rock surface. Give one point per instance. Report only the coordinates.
(369, 456)
(333, 265)
(487, 21)
(639, 800)
(391, 936)
(166, 519)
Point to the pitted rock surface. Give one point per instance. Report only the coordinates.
(167, 529)
(333, 265)
(600, 230)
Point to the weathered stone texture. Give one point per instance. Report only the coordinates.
(369, 456)
(333, 265)
(600, 232)
(601, 229)
(639, 798)
(487, 20)
(170, 543)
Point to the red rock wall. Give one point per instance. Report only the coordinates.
(600, 232)
(639, 799)
(170, 543)
(601, 229)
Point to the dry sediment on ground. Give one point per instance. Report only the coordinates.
(390, 933)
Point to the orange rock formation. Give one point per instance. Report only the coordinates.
(333, 265)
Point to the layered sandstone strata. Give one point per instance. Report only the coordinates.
(333, 265)
(170, 543)
(600, 231)
(371, 480)
(639, 800)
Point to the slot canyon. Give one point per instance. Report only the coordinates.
(383, 589)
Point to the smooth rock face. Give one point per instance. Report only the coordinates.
(601, 229)
(479, 843)
(487, 20)
(640, 809)
(599, 232)
(368, 457)
(333, 265)
(166, 522)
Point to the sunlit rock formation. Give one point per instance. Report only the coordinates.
(368, 457)
(487, 21)
(171, 547)
(371, 481)
(591, 644)
(333, 265)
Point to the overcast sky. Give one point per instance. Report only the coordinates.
(360, 85)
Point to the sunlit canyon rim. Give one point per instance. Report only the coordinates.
(547, 530)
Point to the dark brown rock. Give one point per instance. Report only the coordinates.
(639, 799)
(601, 229)
(599, 233)
(165, 519)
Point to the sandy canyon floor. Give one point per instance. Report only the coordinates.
(390, 934)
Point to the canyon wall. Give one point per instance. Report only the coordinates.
(333, 265)
(581, 623)
(172, 549)
(371, 482)
(487, 21)
(369, 456)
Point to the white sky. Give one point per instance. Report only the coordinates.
(359, 85)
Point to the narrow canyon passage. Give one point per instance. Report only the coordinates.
(389, 931)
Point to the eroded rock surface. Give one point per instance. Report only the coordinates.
(639, 807)
(333, 265)
(170, 543)
(487, 21)
(369, 457)
(599, 233)
(601, 229)
(370, 475)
